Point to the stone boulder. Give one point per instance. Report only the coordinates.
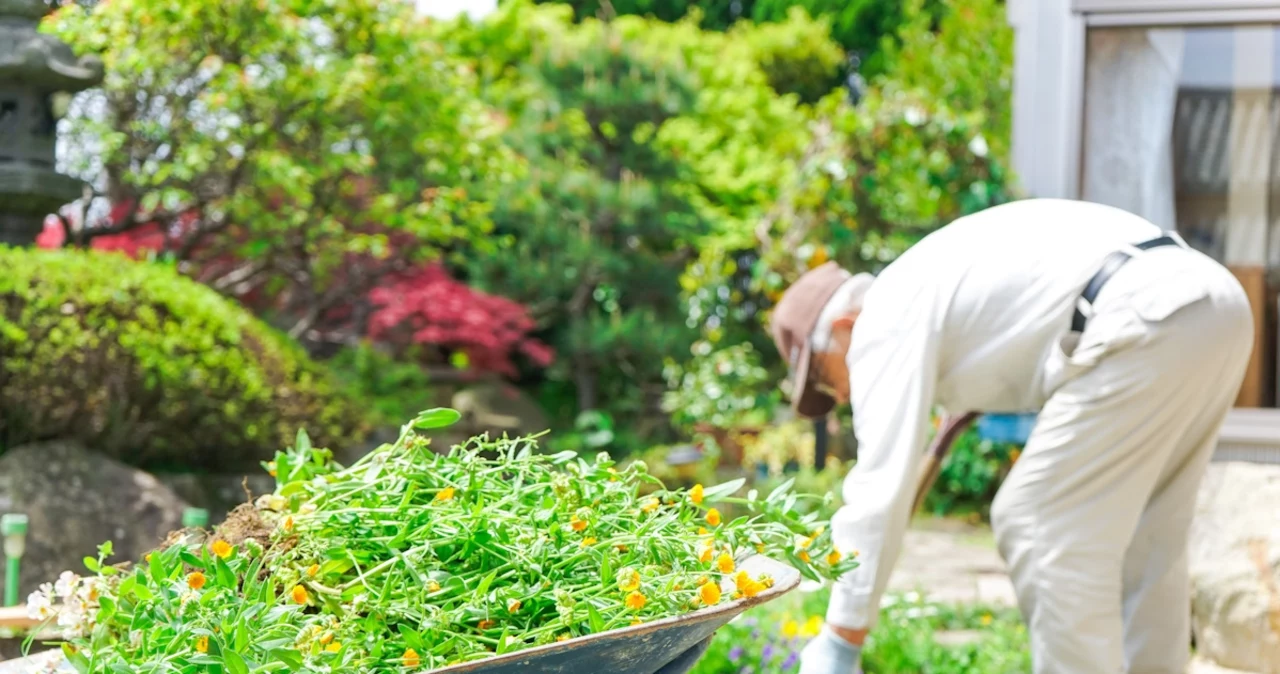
(1235, 567)
(496, 408)
(74, 500)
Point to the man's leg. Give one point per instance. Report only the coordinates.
(1157, 588)
(1103, 445)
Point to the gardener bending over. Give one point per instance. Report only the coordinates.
(1132, 348)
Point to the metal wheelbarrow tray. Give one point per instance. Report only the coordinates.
(667, 646)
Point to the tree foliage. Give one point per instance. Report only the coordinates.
(290, 152)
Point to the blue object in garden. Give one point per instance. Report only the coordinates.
(1013, 429)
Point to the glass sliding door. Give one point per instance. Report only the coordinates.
(1182, 126)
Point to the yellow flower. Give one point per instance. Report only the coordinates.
(577, 524)
(833, 558)
(713, 517)
(613, 476)
(636, 621)
(760, 548)
(326, 637)
(313, 570)
(195, 580)
(589, 540)
(513, 606)
(709, 593)
(636, 601)
(486, 624)
(790, 629)
(433, 586)
(747, 585)
(702, 531)
(445, 494)
(986, 619)
(410, 658)
(221, 548)
(622, 547)
(202, 644)
(696, 494)
(147, 558)
(812, 627)
(725, 563)
(804, 556)
(628, 580)
(298, 594)
(562, 637)
(271, 468)
(706, 553)
(288, 523)
(333, 647)
(650, 504)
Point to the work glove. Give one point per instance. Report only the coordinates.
(829, 653)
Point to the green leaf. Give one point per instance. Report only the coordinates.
(606, 572)
(234, 663)
(444, 646)
(76, 658)
(440, 417)
(303, 442)
(720, 491)
(780, 491)
(412, 638)
(127, 586)
(289, 657)
(597, 623)
(483, 587)
(91, 564)
(106, 608)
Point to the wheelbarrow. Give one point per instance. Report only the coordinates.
(668, 646)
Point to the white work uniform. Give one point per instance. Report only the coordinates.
(1093, 518)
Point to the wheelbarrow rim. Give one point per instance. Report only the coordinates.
(785, 577)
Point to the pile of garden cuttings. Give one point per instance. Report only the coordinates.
(413, 559)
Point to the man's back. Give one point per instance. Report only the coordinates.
(998, 289)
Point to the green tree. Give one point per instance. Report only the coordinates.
(292, 152)
(860, 26)
(965, 60)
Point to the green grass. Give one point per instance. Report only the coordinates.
(768, 639)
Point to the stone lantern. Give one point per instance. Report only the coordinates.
(34, 68)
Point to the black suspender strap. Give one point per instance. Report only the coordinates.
(1110, 266)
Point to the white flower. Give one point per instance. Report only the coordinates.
(38, 605)
(913, 116)
(836, 170)
(72, 617)
(978, 146)
(66, 584)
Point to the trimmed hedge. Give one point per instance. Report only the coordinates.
(150, 367)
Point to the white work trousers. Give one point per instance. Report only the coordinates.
(1093, 518)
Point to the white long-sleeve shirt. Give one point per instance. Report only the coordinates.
(969, 319)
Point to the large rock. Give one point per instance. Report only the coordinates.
(496, 407)
(1235, 567)
(74, 500)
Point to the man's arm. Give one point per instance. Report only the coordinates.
(894, 370)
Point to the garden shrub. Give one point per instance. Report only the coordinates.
(149, 367)
(971, 475)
